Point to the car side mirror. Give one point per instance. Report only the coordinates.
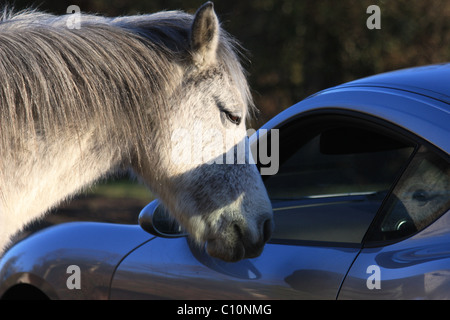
(156, 220)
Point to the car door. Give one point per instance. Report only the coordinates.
(334, 173)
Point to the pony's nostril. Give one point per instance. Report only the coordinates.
(267, 230)
(238, 231)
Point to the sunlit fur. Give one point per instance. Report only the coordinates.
(79, 104)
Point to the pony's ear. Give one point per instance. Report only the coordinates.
(205, 35)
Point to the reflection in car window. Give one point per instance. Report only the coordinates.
(421, 196)
(332, 181)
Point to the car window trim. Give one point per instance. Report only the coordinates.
(387, 127)
(313, 243)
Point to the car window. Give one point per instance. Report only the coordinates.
(333, 177)
(421, 196)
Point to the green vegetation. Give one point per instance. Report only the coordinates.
(122, 188)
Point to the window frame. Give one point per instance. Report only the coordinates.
(359, 119)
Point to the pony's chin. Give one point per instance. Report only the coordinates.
(239, 243)
(233, 253)
(227, 254)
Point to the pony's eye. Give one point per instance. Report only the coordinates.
(233, 118)
(420, 195)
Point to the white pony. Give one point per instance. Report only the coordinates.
(79, 103)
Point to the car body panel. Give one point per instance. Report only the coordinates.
(43, 258)
(432, 82)
(175, 269)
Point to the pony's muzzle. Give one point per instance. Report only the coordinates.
(239, 243)
(254, 249)
(267, 230)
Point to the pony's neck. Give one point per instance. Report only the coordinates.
(45, 173)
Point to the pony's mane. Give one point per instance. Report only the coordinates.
(54, 78)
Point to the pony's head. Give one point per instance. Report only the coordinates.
(200, 166)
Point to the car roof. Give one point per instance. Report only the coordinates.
(432, 81)
(416, 99)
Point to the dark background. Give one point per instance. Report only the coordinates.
(298, 47)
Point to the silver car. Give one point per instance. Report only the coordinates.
(360, 186)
